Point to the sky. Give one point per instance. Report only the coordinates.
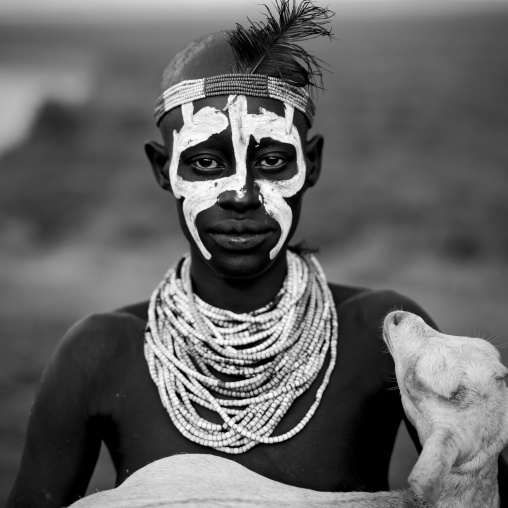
(51, 9)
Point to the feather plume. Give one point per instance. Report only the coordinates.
(272, 47)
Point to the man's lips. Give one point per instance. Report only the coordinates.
(240, 235)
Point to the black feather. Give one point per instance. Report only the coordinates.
(271, 47)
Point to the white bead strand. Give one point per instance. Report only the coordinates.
(275, 354)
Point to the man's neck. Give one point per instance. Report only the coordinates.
(238, 294)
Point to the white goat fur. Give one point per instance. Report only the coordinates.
(452, 390)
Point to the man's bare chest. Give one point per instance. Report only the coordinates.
(341, 447)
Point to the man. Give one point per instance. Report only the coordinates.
(244, 350)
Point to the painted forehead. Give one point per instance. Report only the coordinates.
(174, 119)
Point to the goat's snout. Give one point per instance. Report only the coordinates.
(397, 317)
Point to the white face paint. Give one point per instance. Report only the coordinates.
(201, 195)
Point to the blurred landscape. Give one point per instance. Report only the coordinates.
(413, 193)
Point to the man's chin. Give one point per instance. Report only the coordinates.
(239, 262)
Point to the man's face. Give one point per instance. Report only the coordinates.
(238, 173)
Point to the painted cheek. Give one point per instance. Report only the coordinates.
(270, 125)
(276, 207)
(198, 196)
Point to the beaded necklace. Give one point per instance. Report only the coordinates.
(276, 352)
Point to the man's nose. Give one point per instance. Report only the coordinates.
(248, 198)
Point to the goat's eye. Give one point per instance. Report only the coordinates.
(458, 394)
(502, 374)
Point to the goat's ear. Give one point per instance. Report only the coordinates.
(502, 373)
(435, 461)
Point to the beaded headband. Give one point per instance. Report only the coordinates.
(255, 85)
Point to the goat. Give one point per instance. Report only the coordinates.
(452, 391)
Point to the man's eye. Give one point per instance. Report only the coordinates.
(271, 162)
(205, 164)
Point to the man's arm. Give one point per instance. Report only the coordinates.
(63, 440)
(502, 477)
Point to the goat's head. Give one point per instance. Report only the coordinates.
(454, 393)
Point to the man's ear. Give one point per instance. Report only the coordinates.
(159, 160)
(314, 152)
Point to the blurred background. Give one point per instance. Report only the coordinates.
(413, 194)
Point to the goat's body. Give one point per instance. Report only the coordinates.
(198, 481)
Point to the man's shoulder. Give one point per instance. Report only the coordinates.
(368, 307)
(361, 313)
(104, 336)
